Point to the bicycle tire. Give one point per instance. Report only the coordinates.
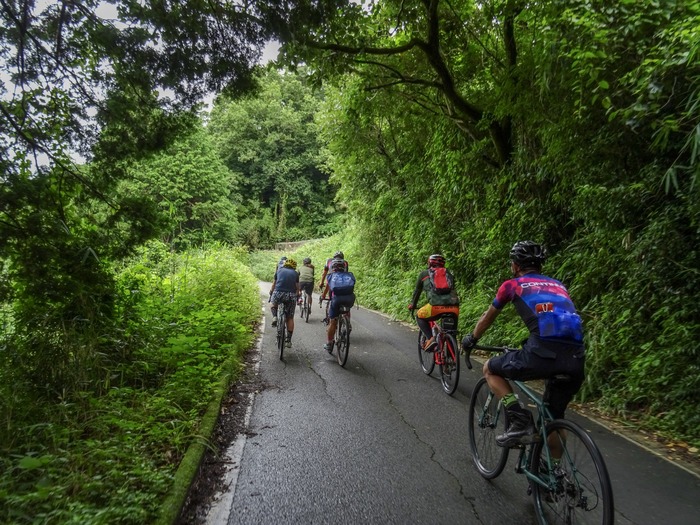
(307, 309)
(579, 490)
(427, 359)
(281, 328)
(486, 421)
(449, 369)
(342, 340)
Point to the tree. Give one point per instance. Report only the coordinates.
(270, 140)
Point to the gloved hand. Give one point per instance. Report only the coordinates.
(469, 342)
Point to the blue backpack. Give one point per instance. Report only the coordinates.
(341, 283)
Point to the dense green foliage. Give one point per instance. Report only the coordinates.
(465, 129)
(270, 140)
(101, 445)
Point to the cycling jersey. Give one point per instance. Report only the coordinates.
(543, 304)
(285, 280)
(306, 274)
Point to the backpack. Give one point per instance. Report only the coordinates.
(341, 283)
(441, 280)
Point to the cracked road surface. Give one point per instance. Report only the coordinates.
(380, 442)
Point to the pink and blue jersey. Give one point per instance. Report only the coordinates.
(543, 304)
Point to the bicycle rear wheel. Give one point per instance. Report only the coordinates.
(579, 488)
(343, 339)
(281, 328)
(427, 359)
(449, 369)
(486, 420)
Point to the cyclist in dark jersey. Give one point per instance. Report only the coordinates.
(555, 345)
(285, 290)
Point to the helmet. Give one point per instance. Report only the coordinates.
(338, 265)
(290, 263)
(436, 261)
(528, 253)
(338, 255)
(284, 258)
(307, 260)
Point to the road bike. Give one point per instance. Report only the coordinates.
(305, 306)
(566, 473)
(281, 326)
(445, 353)
(341, 340)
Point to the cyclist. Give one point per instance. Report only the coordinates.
(438, 304)
(306, 279)
(327, 268)
(285, 290)
(341, 284)
(555, 344)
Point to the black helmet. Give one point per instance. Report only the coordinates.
(436, 261)
(338, 255)
(307, 260)
(528, 253)
(338, 265)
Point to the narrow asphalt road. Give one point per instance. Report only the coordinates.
(380, 442)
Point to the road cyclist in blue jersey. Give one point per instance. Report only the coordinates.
(554, 347)
(285, 291)
(340, 287)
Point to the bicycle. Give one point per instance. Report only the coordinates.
(341, 340)
(575, 488)
(446, 353)
(305, 306)
(281, 326)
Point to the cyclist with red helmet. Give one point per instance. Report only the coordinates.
(440, 302)
(555, 345)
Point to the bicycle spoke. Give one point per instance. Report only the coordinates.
(579, 489)
(427, 359)
(449, 367)
(486, 420)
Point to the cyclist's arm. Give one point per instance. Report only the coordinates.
(417, 291)
(486, 320)
(274, 282)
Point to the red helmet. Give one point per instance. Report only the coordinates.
(436, 261)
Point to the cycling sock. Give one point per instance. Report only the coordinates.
(510, 401)
(289, 336)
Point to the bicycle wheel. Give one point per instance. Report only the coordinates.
(427, 359)
(307, 308)
(578, 487)
(449, 369)
(486, 420)
(281, 328)
(342, 339)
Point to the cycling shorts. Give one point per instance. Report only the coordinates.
(307, 287)
(288, 299)
(340, 300)
(543, 361)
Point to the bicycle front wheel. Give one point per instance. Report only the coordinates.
(343, 339)
(486, 420)
(578, 488)
(427, 359)
(449, 369)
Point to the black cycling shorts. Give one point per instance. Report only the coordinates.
(544, 360)
(307, 287)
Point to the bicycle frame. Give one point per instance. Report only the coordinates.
(571, 486)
